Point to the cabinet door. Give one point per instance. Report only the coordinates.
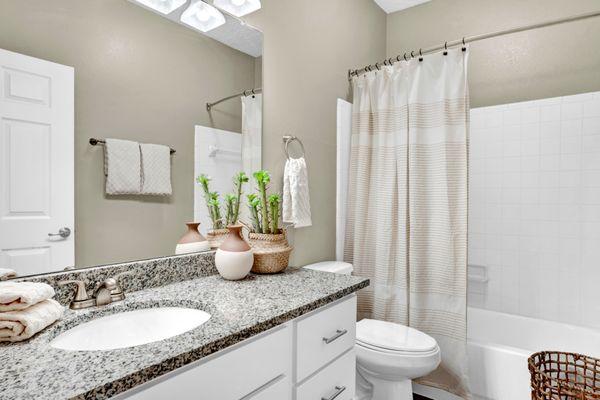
(243, 372)
(324, 335)
(280, 389)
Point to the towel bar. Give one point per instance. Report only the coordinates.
(95, 142)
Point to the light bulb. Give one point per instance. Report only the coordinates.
(238, 7)
(202, 16)
(162, 6)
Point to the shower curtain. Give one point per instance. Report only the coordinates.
(406, 226)
(251, 133)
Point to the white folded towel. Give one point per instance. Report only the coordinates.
(7, 273)
(156, 169)
(20, 295)
(296, 198)
(23, 324)
(122, 167)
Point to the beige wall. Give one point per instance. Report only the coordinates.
(137, 76)
(308, 47)
(548, 62)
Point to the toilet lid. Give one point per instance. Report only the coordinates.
(393, 337)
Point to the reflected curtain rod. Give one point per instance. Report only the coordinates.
(465, 40)
(245, 93)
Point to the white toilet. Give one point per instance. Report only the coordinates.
(388, 355)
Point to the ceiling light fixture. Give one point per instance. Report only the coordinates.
(238, 7)
(163, 6)
(202, 16)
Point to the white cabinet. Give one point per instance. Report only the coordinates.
(319, 345)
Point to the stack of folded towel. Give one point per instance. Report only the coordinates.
(25, 309)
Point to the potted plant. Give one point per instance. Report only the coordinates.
(267, 239)
(219, 230)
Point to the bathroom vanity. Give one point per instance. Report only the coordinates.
(282, 336)
(311, 355)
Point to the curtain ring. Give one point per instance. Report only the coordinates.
(412, 55)
(464, 48)
(446, 48)
(398, 58)
(385, 62)
(420, 55)
(391, 61)
(405, 57)
(377, 66)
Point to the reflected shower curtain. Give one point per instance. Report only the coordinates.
(407, 209)
(251, 133)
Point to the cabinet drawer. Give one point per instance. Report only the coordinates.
(237, 373)
(338, 377)
(337, 324)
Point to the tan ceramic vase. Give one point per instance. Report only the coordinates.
(192, 241)
(215, 237)
(234, 257)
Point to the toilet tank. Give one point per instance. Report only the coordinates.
(337, 267)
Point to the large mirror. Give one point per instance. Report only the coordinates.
(93, 94)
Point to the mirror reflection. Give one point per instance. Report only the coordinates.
(109, 111)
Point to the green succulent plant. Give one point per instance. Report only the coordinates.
(274, 202)
(212, 201)
(254, 205)
(263, 178)
(238, 182)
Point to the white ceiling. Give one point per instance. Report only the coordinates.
(390, 6)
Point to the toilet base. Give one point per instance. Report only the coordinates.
(382, 389)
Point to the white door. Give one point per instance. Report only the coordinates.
(36, 164)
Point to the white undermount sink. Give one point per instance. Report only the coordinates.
(130, 328)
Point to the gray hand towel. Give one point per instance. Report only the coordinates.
(123, 167)
(156, 169)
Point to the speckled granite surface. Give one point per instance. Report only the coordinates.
(140, 275)
(242, 309)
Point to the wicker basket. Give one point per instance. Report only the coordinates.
(564, 376)
(216, 236)
(271, 252)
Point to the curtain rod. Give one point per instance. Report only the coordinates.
(465, 40)
(245, 93)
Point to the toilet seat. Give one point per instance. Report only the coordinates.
(393, 338)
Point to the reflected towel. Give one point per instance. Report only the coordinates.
(156, 169)
(7, 273)
(296, 198)
(122, 167)
(20, 295)
(23, 324)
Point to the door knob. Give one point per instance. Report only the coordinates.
(62, 232)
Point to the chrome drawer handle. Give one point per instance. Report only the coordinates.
(338, 391)
(338, 334)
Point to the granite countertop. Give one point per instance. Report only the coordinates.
(239, 310)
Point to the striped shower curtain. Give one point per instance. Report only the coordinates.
(406, 226)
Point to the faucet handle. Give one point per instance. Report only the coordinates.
(81, 293)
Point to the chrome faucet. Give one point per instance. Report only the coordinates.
(105, 292)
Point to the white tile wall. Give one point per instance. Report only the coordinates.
(534, 217)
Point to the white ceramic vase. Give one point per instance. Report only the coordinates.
(234, 258)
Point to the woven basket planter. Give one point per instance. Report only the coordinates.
(564, 376)
(271, 252)
(216, 236)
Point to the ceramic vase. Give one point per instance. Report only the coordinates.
(215, 237)
(234, 258)
(192, 241)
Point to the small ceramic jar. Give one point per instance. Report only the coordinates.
(234, 258)
(192, 241)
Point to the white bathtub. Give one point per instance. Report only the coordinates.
(498, 347)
